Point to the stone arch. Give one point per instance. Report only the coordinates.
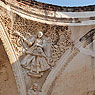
(61, 65)
(7, 79)
(64, 62)
(14, 61)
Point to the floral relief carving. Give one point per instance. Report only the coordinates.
(37, 61)
(60, 35)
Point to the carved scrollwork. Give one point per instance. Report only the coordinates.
(60, 35)
(37, 61)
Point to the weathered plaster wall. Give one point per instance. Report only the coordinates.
(78, 79)
(78, 31)
(79, 76)
(7, 81)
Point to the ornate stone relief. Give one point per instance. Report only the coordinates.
(37, 53)
(59, 35)
(5, 18)
(39, 47)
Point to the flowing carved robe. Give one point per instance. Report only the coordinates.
(37, 55)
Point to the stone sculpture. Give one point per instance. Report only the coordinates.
(33, 90)
(37, 54)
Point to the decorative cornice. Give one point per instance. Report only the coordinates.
(51, 17)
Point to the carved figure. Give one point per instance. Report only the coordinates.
(37, 54)
(33, 90)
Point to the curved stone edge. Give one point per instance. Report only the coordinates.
(39, 18)
(13, 60)
(61, 65)
(48, 21)
(55, 14)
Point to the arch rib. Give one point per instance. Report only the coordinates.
(13, 60)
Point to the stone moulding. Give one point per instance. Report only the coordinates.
(13, 60)
(62, 64)
(51, 17)
(51, 77)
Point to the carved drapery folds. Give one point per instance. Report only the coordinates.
(39, 46)
(60, 35)
(36, 61)
(36, 52)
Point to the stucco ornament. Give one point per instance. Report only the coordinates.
(37, 53)
(33, 90)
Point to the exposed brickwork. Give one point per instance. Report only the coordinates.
(51, 7)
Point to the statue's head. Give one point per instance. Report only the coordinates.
(35, 86)
(39, 34)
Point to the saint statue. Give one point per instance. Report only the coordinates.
(37, 53)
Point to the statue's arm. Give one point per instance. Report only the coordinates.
(27, 41)
(30, 42)
(40, 45)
